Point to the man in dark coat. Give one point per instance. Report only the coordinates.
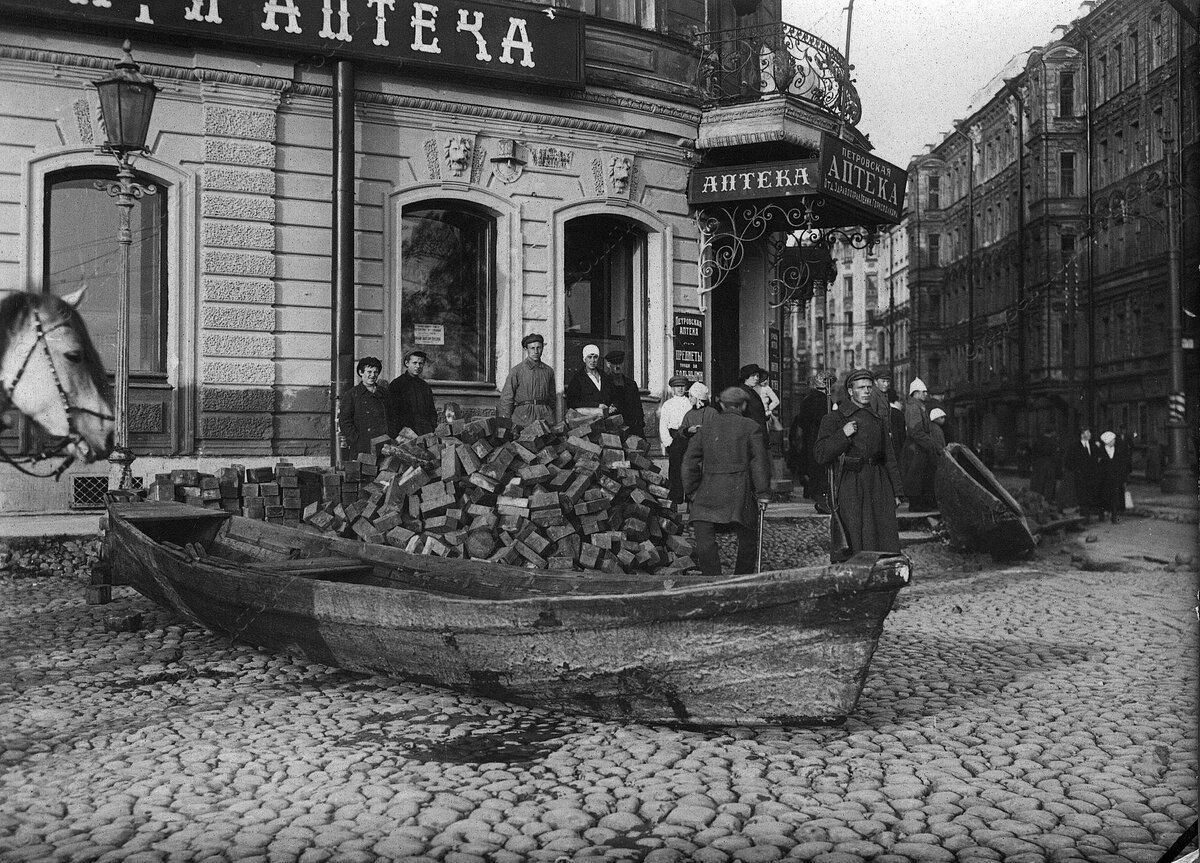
(725, 470)
(626, 394)
(812, 408)
(589, 392)
(366, 410)
(1081, 470)
(413, 397)
(867, 480)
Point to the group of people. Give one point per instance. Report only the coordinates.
(529, 392)
(374, 408)
(1094, 473)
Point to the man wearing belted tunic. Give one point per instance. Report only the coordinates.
(528, 394)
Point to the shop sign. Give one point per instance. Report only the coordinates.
(867, 182)
(773, 353)
(689, 345)
(750, 182)
(490, 38)
(429, 334)
(870, 189)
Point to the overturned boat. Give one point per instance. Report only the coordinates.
(782, 647)
(978, 511)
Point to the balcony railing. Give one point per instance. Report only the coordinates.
(745, 64)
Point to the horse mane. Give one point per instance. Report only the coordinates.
(16, 308)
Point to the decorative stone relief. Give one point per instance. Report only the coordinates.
(458, 150)
(552, 157)
(619, 170)
(83, 119)
(598, 177)
(435, 170)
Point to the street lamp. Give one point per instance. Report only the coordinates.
(126, 102)
(1178, 475)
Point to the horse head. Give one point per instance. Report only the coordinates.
(50, 372)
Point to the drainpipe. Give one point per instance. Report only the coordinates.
(342, 296)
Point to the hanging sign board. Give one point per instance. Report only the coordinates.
(689, 345)
(859, 189)
(751, 182)
(854, 176)
(773, 353)
(488, 38)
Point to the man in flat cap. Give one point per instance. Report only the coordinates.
(803, 438)
(670, 417)
(727, 476)
(626, 395)
(589, 392)
(867, 481)
(528, 394)
(413, 397)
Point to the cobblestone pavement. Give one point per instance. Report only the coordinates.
(1019, 713)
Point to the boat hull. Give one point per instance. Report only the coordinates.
(789, 647)
(978, 511)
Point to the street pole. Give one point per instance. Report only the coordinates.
(849, 19)
(1177, 477)
(127, 192)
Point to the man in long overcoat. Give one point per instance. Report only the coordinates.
(727, 476)
(867, 480)
(809, 412)
(1082, 472)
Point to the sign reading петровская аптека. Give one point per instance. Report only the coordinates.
(866, 189)
(490, 38)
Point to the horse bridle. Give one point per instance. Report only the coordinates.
(59, 443)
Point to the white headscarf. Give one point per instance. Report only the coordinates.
(698, 391)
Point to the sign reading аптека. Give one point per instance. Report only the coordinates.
(480, 37)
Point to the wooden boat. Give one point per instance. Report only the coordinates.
(979, 512)
(784, 647)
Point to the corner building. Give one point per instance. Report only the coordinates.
(507, 178)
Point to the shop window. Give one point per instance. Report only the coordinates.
(605, 288)
(448, 288)
(81, 248)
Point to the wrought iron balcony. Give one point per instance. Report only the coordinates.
(743, 65)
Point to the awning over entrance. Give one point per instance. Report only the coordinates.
(845, 186)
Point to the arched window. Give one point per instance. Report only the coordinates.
(448, 288)
(81, 248)
(606, 290)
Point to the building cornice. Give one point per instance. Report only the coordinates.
(288, 88)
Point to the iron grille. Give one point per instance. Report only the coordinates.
(87, 492)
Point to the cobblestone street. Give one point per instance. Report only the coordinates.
(1018, 713)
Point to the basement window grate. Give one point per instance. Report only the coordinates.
(87, 492)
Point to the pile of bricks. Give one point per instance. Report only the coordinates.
(584, 496)
(264, 493)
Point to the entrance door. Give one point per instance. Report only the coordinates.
(726, 327)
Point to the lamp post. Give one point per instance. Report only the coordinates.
(1177, 476)
(126, 102)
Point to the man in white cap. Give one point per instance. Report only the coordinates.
(589, 392)
(937, 427)
(919, 457)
